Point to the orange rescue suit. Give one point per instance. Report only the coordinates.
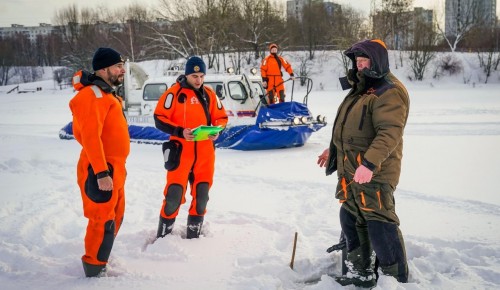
(178, 108)
(99, 125)
(270, 70)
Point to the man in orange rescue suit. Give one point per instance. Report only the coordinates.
(101, 128)
(185, 106)
(272, 77)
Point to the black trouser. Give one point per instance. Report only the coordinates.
(368, 218)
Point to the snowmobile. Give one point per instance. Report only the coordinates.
(254, 124)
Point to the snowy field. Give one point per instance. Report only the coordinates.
(447, 201)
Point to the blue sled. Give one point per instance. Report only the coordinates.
(277, 126)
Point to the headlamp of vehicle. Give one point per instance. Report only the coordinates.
(321, 119)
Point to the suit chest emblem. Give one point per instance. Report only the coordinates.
(194, 100)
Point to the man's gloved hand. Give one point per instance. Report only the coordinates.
(363, 175)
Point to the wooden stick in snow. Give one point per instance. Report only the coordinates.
(293, 253)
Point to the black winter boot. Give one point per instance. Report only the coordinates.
(360, 261)
(360, 268)
(194, 224)
(93, 270)
(363, 282)
(165, 227)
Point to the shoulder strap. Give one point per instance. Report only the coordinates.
(278, 60)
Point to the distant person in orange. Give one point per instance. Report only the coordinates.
(185, 106)
(101, 128)
(272, 77)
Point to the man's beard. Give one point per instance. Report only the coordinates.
(115, 80)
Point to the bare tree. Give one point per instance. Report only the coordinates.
(485, 41)
(47, 49)
(132, 31)
(6, 61)
(348, 27)
(262, 23)
(391, 22)
(315, 26)
(80, 35)
(461, 17)
(422, 51)
(182, 32)
(28, 74)
(219, 18)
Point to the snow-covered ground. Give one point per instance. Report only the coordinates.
(447, 201)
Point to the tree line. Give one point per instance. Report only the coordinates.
(214, 28)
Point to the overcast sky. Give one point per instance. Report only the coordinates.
(33, 12)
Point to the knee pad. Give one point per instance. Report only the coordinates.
(173, 199)
(107, 241)
(201, 197)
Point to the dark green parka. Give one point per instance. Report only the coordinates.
(370, 121)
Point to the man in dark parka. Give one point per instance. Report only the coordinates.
(366, 150)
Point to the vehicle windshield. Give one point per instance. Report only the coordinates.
(153, 92)
(218, 87)
(237, 91)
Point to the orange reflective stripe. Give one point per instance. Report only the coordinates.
(76, 80)
(367, 209)
(358, 158)
(344, 187)
(363, 202)
(379, 200)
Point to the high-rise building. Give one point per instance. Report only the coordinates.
(460, 15)
(295, 8)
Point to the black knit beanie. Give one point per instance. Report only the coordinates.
(105, 57)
